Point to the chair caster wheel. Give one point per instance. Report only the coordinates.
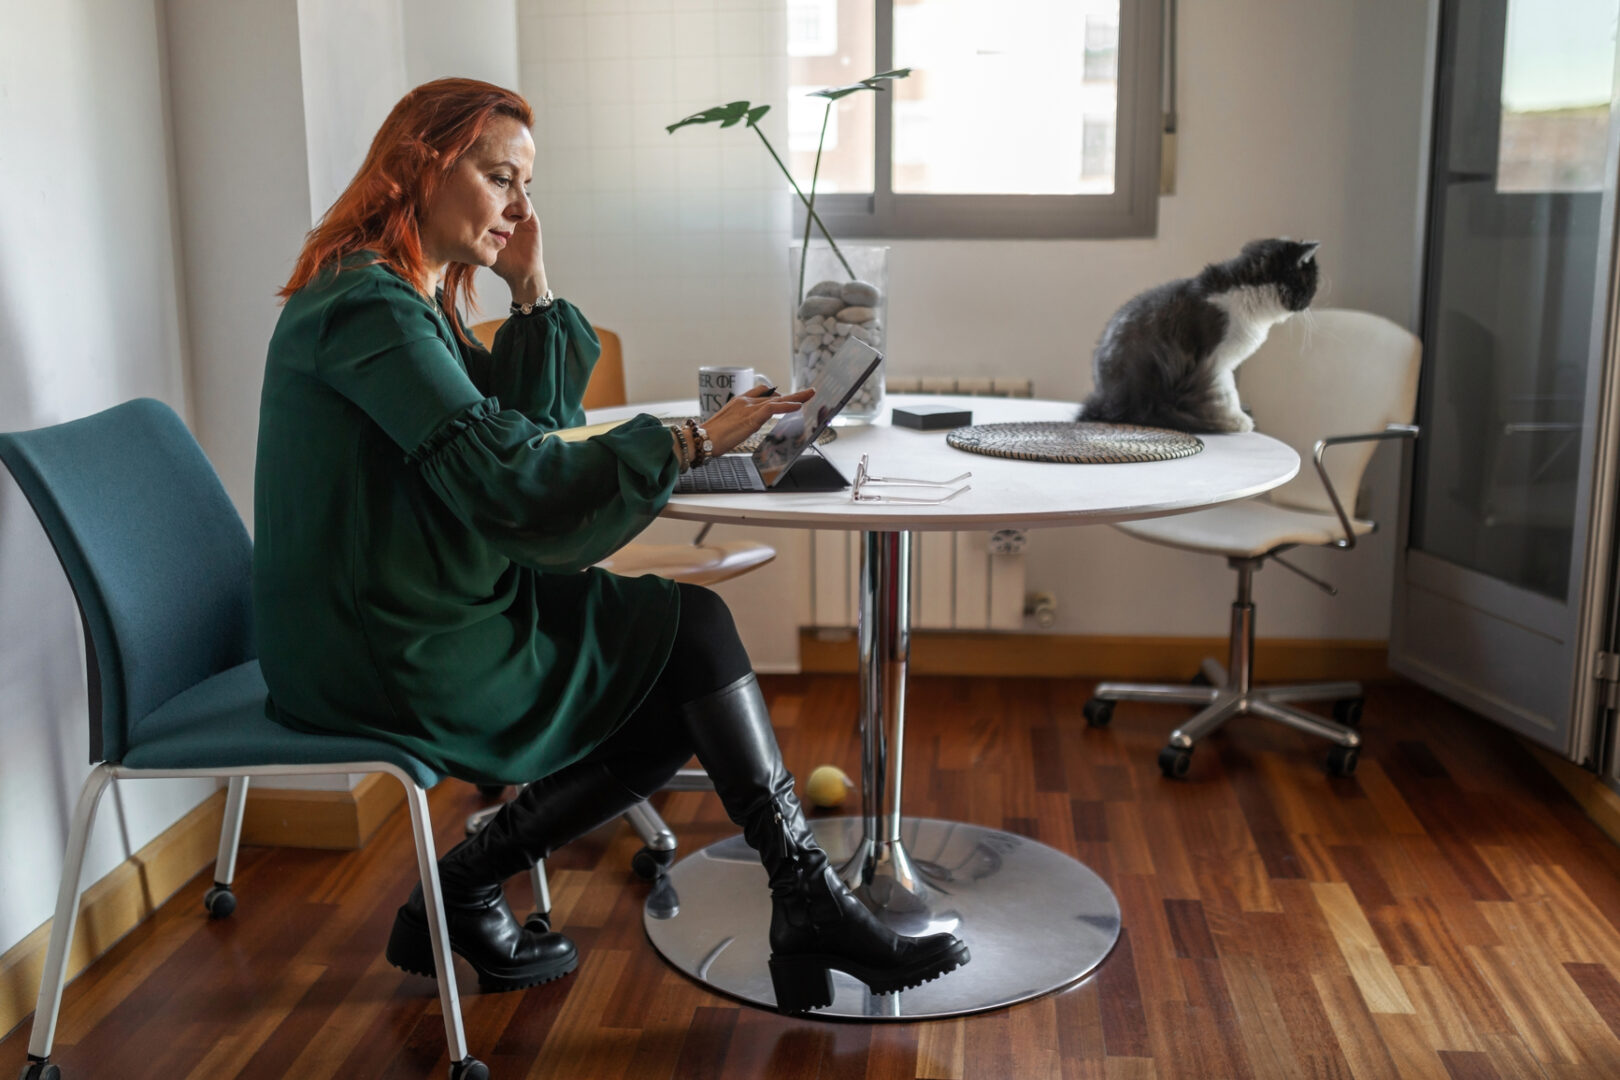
(40, 1070)
(1174, 762)
(1341, 760)
(650, 864)
(538, 922)
(492, 791)
(219, 901)
(1347, 711)
(1200, 679)
(1099, 713)
(469, 1069)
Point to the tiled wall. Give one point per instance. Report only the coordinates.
(677, 241)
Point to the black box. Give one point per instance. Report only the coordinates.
(932, 417)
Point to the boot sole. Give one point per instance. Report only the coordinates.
(803, 983)
(410, 949)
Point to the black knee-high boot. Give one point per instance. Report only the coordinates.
(816, 923)
(545, 815)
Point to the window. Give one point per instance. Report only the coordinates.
(1021, 118)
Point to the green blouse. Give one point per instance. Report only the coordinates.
(422, 552)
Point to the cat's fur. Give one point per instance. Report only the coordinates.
(1167, 358)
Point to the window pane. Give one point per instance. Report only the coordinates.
(1557, 76)
(997, 103)
(831, 43)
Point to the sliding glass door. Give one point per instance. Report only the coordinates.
(1512, 486)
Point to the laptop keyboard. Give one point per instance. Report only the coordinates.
(727, 473)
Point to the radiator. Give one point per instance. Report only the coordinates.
(959, 580)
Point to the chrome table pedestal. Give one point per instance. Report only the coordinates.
(1033, 918)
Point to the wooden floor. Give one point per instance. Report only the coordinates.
(1446, 913)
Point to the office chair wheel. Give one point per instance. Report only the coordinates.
(538, 922)
(469, 1068)
(1174, 762)
(219, 901)
(650, 864)
(40, 1070)
(1099, 713)
(1199, 679)
(1341, 760)
(492, 791)
(1347, 711)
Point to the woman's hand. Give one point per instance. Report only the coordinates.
(744, 414)
(522, 263)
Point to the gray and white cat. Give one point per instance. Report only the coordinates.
(1167, 358)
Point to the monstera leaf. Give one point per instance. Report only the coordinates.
(871, 82)
(724, 115)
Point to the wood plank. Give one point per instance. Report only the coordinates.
(1369, 966)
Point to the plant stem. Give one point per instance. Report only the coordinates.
(808, 208)
(815, 175)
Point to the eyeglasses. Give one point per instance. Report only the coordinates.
(864, 479)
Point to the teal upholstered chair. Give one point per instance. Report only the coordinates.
(159, 563)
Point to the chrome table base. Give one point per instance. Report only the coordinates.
(1034, 919)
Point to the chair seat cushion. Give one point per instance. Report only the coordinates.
(220, 723)
(1247, 528)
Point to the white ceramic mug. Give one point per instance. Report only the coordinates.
(718, 385)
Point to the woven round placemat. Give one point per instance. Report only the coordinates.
(1079, 443)
(750, 444)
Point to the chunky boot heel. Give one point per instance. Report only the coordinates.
(410, 948)
(801, 984)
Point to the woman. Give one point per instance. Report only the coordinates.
(422, 569)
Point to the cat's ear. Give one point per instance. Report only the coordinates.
(1309, 252)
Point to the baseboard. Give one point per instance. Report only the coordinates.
(1080, 656)
(114, 906)
(337, 820)
(1599, 800)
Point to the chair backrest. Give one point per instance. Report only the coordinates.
(606, 387)
(1331, 372)
(158, 558)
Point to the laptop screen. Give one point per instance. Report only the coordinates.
(834, 385)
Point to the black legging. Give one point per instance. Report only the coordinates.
(652, 744)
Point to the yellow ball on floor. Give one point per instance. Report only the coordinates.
(827, 786)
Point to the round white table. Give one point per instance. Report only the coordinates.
(1033, 918)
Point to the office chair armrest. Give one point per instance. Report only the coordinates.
(1392, 431)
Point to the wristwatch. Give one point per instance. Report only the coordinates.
(539, 303)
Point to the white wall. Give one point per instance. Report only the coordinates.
(90, 315)
(1296, 119)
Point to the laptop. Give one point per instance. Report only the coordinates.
(781, 462)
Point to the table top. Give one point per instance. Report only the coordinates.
(1005, 492)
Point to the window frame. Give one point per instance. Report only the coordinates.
(1131, 210)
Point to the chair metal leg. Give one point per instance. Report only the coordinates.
(1224, 708)
(542, 891)
(49, 1006)
(1301, 720)
(649, 825)
(1327, 691)
(1214, 671)
(690, 780)
(478, 820)
(427, 864)
(1160, 692)
(230, 831)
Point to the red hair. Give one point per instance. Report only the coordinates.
(424, 137)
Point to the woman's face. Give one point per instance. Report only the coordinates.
(472, 215)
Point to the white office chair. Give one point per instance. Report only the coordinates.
(1317, 375)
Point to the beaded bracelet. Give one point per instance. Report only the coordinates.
(703, 449)
(683, 449)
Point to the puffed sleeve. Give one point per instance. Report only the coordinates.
(543, 502)
(540, 364)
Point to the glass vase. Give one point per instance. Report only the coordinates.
(833, 299)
